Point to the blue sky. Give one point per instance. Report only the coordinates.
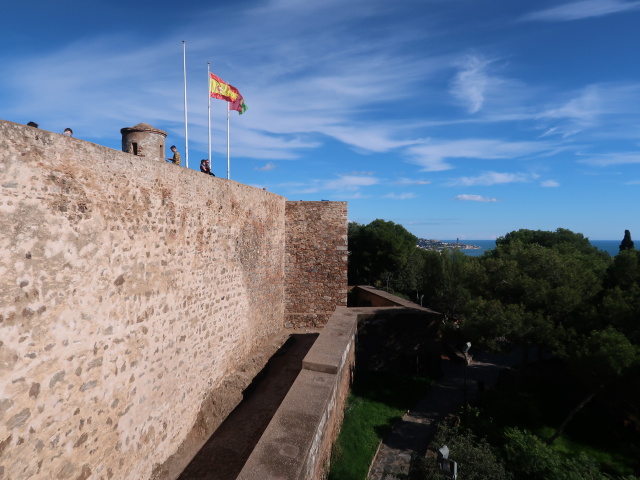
(455, 118)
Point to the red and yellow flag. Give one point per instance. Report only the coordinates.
(218, 88)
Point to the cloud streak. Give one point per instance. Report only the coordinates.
(581, 10)
(471, 83)
(267, 167)
(493, 178)
(401, 196)
(350, 183)
(609, 159)
(549, 184)
(435, 156)
(475, 198)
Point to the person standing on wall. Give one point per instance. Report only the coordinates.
(176, 156)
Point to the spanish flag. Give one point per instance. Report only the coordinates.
(218, 88)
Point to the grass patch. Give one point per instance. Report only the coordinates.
(376, 402)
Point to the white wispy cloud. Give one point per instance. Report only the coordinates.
(411, 181)
(401, 196)
(343, 183)
(594, 111)
(583, 108)
(471, 82)
(549, 183)
(608, 159)
(493, 178)
(265, 168)
(436, 155)
(475, 198)
(581, 9)
(350, 182)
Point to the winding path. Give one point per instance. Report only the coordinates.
(417, 427)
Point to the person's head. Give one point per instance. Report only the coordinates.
(173, 148)
(33, 124)
(68, 132)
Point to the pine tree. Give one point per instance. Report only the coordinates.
(627, 243)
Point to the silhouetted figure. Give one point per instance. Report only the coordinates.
(32, 124)
(205, 167)
(68, 132)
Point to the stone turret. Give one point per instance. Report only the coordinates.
(144, 141)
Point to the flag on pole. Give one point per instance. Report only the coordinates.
(218, 88)
(238, 105)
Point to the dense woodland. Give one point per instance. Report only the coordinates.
(553, 296)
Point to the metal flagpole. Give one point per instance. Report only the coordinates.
(186, 130)
(209, 109)
(228, 161)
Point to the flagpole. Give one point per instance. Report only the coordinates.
(209, 109)
(228, 161)
(186, 130)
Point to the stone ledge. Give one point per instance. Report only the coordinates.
(330, 351)
(380, 298)
(293, 445)
(294, 433)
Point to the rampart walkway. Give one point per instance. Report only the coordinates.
(226, 452)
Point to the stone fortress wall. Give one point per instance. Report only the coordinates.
(137, 300)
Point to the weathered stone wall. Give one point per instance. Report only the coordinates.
(130, 292)
(316, 261)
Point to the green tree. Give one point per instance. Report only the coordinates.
(603, 357)
(620, 301)
(378, 251)
(529, 458)
(561, 239)
(410, 278)
(627, 243)
(536, 289)
(445, 278)
(475, 458)
(554, 276)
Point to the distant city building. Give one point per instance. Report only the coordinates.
(440, 245)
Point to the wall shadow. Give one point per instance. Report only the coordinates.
(227, 450)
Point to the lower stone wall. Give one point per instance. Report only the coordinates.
(297, 442)
(365, 296)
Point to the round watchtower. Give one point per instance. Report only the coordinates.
(144, 141)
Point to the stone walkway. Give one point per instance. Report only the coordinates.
(417, 427)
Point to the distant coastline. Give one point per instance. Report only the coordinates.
(475, 248)
(439, 245)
